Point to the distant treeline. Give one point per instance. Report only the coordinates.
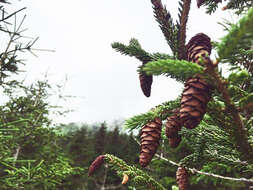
(83, 143)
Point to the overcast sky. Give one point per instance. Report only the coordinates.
(105, 82)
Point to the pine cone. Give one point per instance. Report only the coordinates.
(199, 45)
(197, 92)
(182, 178)
(175, 141)
(194, 101)
(173, 125)
(145, 83)
(150, 136)
(96, 164)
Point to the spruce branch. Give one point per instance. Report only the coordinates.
(177, 69)
(166, 24)
(161, 111)
(231, 41)
(212, 5)
(239, 5)
(134, 49)
(239, 132)
(183, 18)
(246, 102)
(245, 58)
(194, 171)
(137, 176)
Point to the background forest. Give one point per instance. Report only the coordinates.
(36, 153)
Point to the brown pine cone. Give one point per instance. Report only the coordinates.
(145, 83)
(182, 178)
(173, 124)
(197, 92)
(175, 141)
(199, 45)
(96, 164)
(195, 98)
(150, 136)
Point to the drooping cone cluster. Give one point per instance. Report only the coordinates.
(182, 178)
(146, 83)
(197, 92)
(150, 136)
(173, 125)
(96, 164)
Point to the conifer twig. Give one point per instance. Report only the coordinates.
(180, 70)
(182, 30)
(162, 111)
(166, 24)
(231, 42)
(239, 131)
(194, 171)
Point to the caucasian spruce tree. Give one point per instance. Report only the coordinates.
(212, 117)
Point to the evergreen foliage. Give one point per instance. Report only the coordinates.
(240, 36)
(134, 50)
(220, 148)
(140, 178)
(160, 111)
(239, 6)
(176, 69)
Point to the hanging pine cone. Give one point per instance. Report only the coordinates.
(175, 141)
(199, 45)
(173, 124)
(96, 164)
(182, 178)
(194, 101)
(197, 92)
(150, 136)
(145, 83)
